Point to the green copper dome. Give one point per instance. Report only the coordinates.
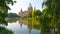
(30, 6)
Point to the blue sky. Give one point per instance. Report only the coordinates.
(24, 5)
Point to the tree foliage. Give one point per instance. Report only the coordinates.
(34, 13)
(5, 31)
(4, 4)
(4, 7)
(37, 12)
(30, 14)
(3, 14)
(53, 7)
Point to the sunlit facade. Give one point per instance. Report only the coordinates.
(25, 13)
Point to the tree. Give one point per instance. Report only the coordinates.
(53, 9)
(3, 30)
(4, 4)
(12, 15)
(4, 8)
(3, 14)
(36, 13)
(30, 14)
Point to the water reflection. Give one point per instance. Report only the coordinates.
(4, 30)
(24, 26)
(46, 31)
(31, 26)
(11, 20)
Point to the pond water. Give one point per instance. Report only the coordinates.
(24, 26)
(30, 26)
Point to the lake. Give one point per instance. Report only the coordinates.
(28, 26)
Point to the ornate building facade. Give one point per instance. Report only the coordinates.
(25, 13)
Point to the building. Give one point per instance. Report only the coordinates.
(25, 13)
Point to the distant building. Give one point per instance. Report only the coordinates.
(30, 8)
(25, 13)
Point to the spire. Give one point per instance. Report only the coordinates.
(30, 6)
(21, 9)
(34, 8)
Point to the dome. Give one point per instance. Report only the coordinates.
(30, 6)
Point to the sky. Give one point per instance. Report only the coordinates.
(24, 4)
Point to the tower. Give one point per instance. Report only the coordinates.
(21, 10)
(30, 8)
(34, 8)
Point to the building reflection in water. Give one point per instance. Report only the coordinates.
(35, 24)
(32, 24)
(11, 20)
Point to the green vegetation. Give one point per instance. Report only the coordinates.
(34, 14)
(30, 15)
(13, 15)
(5, 31)
(50, 16)
(3, 14)
(4, 8)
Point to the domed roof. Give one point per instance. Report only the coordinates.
(30, 6)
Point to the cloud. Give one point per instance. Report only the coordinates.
(24, 5)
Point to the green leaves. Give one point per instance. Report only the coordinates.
(36, 12)
(9, 2)
(4, 9)
(4, 4)
(5, 31)
(53, 10)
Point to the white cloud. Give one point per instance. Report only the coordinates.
(24, 5)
